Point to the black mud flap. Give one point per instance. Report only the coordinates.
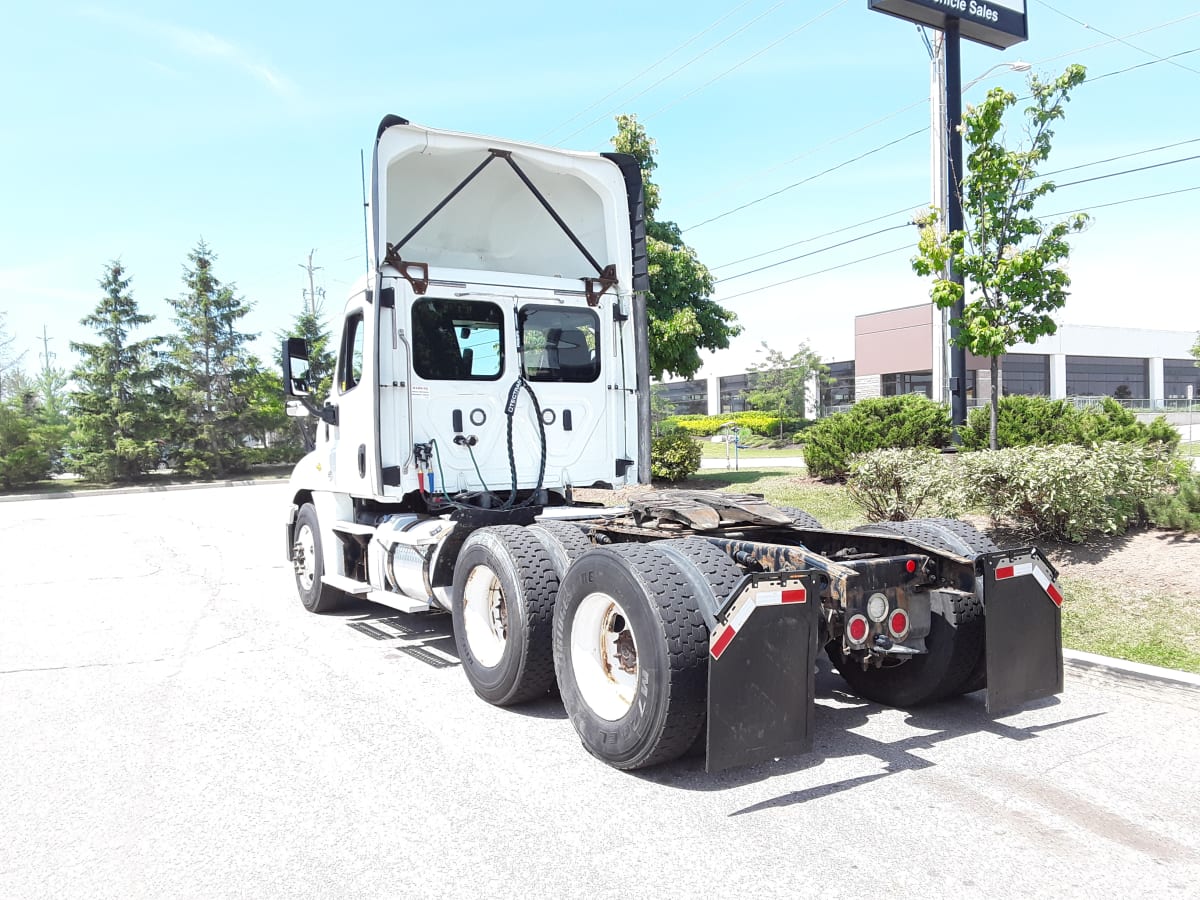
(1023, 614)
(762, 656)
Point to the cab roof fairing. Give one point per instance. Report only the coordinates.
(495, 223)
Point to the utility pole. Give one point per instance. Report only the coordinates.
(314, 295)
(46, 354)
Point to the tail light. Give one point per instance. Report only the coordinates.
(898, 624)
(857, 630)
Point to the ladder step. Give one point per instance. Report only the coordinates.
(347, 585)
(399, 601)
(353, 528)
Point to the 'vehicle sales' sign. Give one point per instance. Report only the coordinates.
(997, 23)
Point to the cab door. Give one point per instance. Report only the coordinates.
(353, 445)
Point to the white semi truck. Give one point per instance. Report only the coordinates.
(493, 360)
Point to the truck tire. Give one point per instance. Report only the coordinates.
(631, 652)
(562, 541)
(955, 657)
(800, 517)
(309, 565)
(502, 607)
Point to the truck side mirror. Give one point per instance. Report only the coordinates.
(295, 367)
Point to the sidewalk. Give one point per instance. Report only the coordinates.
(757, 462)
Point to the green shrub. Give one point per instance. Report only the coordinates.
(875, 424)
(674, 456)
(1178, 509)
(1067, 492)
(893, 485)
(1038, 421)
(1020, 422)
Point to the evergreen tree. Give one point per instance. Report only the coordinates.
(310, 325)
(10, 361)
(210, 369)
(115, 415)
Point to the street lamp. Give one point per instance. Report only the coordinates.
(941, 167)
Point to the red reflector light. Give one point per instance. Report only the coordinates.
(857, 629)
(910, 566)
(898, 624)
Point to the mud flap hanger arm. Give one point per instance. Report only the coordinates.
(606, 276)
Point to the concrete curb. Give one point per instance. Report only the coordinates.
(1120, 668)
(141, 489)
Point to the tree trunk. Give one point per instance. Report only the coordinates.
(994, 412)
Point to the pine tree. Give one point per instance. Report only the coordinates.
(115, 412)
(210, 369)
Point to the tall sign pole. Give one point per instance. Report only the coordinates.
(954, 215)
(995, 23)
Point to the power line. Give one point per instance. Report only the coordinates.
(674, 72)
(1115, 38)
(1118, 39)
(754, 55)
(1115, 158)
(646, 70)
(1169, 162)
(1121, 202)
(1142, 65)
(853, 240)
(813, 177)
(815, 237)
(852, 262)
(909, 245)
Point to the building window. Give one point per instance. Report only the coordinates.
(458, 340)
(685, 397)
(734, 389)
(1107, 376)
(837, 392)
(1025, 373)
(1178, 374)
(900, 383)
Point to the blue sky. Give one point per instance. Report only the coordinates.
(132, 130)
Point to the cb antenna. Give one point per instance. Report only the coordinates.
(362, 168)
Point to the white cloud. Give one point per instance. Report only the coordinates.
(199, 44)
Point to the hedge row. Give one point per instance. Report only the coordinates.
(1038, 421)
(1066, 492)
(756, 421)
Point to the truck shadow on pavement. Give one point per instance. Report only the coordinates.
(835, 737)
(426, 637)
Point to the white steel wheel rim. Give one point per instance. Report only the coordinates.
(306, 565)
(604, 658)
(485, 616)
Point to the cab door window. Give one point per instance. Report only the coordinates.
(350, 355)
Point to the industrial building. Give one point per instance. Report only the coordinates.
(895, 352)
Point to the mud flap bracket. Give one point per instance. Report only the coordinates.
(761, 668)
(1023, 619)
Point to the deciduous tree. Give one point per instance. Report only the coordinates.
(683, 320)
(781, 382)
(1012, 260)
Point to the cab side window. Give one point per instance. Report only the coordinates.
(458, 340)
(560, 344)
(350, 355)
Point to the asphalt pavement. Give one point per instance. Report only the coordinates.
(176, 725)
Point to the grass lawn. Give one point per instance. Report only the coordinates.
(155, 479)
(1152, 629)
(1097, 618)
(714, 450)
